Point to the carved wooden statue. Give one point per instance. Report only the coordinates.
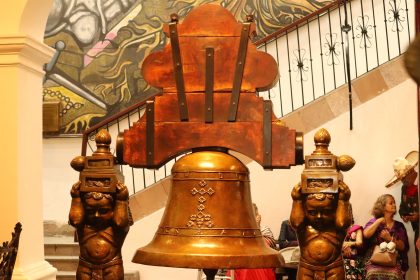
(320, 212)
(100, 213)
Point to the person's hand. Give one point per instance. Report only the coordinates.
(346, 244)
(385, 235)
(347, 252)
(404, 218)
(75, 190)
(297, 192)
(343, 191)
(122, 192)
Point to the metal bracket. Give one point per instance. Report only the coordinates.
(208, 110)
(239, 71)
(267, 159)
(179, 75)
(150, 132)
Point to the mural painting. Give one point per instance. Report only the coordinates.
(103, 44)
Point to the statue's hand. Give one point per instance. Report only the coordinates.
(297, 192)
(122, 192)
(75, 190)
(344, 192)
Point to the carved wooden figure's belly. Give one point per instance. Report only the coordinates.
(99, 249)
(319, 250)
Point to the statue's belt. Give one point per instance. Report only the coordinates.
(319, 271)
(114, 261)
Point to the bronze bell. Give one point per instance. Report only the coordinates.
(209, 221)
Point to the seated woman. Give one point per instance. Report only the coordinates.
(383, 228)
(353, 254)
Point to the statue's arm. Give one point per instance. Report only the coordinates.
(77, 211)
(121, 215)
(343, 218)
(297, 216)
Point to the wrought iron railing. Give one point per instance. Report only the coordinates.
(311, 58)
(311, 52)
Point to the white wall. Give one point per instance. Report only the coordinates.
(59, 176)
(384, 128)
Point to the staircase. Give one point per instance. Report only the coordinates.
(63, 253)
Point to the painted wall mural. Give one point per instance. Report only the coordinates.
(104, 43)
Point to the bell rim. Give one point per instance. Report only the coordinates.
(268, 259)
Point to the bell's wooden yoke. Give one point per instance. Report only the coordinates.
(209, 74)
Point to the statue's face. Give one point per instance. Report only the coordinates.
(98, 211)
(320, 213)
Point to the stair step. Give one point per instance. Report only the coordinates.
(63, 263)
(63, 253)
(66, 275)
(63, 249)
(71, 275)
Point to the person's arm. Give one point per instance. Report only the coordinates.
(359, 238)
(371, 227)
(358, 242)
(402, 210)
(282, 236)
(403, 237)
(292, 243)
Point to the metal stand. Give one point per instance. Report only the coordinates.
(210, 273)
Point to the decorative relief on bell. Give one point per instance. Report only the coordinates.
(202, 183)
(201, 219)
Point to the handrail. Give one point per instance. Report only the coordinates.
(298, 22)
(87, 132)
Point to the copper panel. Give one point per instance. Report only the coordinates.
(158, 69)
(250, 109)
(245, 133)
(170, 142)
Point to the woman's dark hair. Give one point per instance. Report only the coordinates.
(379, 206)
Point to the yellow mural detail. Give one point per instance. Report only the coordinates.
(80, 121)
(72, 106)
